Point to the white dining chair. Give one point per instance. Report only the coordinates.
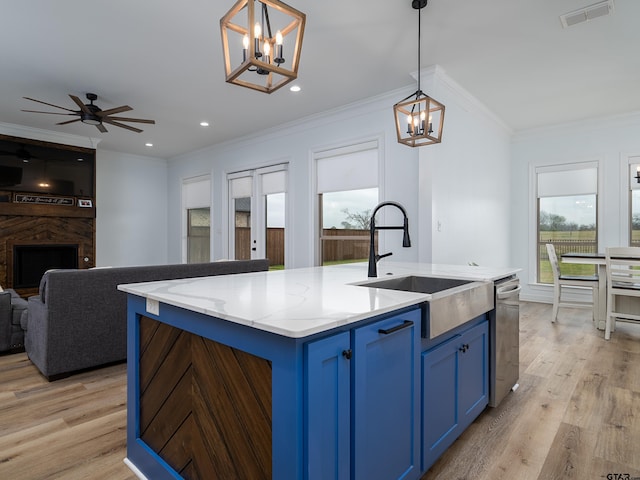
(560, 281)
(623, 280)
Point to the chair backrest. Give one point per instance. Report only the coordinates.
(623, 267)
(553, 260)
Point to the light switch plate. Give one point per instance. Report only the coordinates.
(153, 306)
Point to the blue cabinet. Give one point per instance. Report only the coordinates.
(455, 385)
(328, 408)
(378, 415)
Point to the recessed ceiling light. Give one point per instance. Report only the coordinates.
(295, 88)
(204, 124)
(148, 144)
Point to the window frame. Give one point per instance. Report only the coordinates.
(369, 143)
(536, 245)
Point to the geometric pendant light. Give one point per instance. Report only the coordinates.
(261, 43)
(419, 118)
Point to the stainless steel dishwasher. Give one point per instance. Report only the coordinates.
(504, 330)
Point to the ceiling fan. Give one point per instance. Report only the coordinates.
(21, 153)
(93, 115)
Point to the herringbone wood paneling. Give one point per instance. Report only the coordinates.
(204, 407)
(38, 230)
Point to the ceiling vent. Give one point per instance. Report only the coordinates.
(585, 14)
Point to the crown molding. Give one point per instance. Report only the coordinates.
(588, 125)
(463, 97)
(48, 136)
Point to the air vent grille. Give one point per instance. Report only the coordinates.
(585, 14)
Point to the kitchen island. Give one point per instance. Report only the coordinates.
(296, 374)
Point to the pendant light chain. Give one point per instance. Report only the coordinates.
(419, 43)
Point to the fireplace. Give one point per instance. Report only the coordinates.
(31, 261)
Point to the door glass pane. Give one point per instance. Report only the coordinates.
(242, 230)
(345, 219)
(635, 218)
(570, 223)
(198, 235)
(274, 238)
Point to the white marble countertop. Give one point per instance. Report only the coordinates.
(301, 302)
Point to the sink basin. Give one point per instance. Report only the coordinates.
(418, 284)
(454, 301)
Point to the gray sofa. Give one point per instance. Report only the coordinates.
(13, 311)
(79, 319)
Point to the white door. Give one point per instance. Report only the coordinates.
(258, 206)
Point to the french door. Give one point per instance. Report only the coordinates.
(257, 214)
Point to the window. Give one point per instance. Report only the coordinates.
(347, 187)
(198, 235)
(567, 215)
(196, 199)
(634, 202)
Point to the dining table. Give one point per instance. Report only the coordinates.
(600, 261)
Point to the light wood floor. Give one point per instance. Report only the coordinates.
(575, 415)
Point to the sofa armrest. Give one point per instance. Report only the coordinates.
(5, 320)
(36, 336)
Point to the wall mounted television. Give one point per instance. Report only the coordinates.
(32, 166)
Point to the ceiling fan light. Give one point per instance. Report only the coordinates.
(90, 119)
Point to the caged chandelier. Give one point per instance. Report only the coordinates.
(261, 43)
(419, 118)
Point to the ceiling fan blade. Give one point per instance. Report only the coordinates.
(138, 120)
(82, 106)
(101, 128)
(68, 121)
(121, 125)
(50, 113)
(112, 111)
(45, 103)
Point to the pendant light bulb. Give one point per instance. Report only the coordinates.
(278, 37)
(245, 41)
(257, 30)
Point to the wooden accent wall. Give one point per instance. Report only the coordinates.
(45, 224)
(42, 225)
(204, 407)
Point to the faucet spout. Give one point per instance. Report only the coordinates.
(406, 241)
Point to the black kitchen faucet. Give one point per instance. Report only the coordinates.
(406, 241)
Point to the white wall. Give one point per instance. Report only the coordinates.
(294, 143)
(606, 140)
(468, 174)
(131, 200)
(131, 209)
(465, 182)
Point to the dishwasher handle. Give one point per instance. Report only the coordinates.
(508, 291)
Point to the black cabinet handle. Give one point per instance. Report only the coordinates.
(464, 348)
(405, 324)
(347, 354)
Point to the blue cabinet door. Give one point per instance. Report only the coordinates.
(473, 375)
(439, 400)
(455, 386)
(386, 416)
(327, 408)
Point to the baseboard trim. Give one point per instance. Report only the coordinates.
(134, 469)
